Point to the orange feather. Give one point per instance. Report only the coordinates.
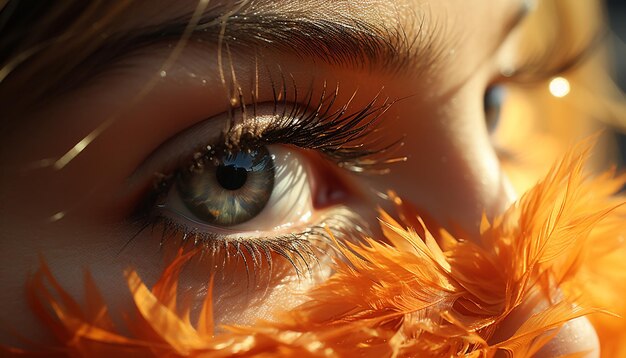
(424, 293)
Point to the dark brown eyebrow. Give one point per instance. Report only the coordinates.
(349, 41)
(352, 42)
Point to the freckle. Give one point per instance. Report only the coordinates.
(163, 73)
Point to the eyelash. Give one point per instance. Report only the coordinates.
(297, 248)
(329, 132)
(556, 59)
(306, 125)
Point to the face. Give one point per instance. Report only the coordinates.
(249, 138)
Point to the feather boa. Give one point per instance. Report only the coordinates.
(422, 293)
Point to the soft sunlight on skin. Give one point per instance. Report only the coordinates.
(124, 141)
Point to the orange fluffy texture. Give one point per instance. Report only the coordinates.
(423, 293)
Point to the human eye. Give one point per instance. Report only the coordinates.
(229, 188)
(268, 186)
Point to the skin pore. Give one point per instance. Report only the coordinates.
(433, 59)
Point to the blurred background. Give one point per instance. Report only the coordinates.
(617, 22)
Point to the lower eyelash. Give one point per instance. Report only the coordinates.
(302, 250)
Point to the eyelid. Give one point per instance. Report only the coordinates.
(178, 150)
(324, 129)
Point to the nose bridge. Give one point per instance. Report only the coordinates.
(452, 171)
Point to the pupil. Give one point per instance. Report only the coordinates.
(231, 177)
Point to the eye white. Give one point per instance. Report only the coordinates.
(290, 205)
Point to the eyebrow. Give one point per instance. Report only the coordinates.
(353, 44)
(348, 41)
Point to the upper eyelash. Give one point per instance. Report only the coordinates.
(331, 132)
(319, 127)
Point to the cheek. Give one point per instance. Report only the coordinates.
(68, 249)
(243, 291)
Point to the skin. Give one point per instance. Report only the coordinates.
(452, 170)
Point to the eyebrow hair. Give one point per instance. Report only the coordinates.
(349, 42)
(353, 43)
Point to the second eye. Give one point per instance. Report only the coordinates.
(493, 102)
